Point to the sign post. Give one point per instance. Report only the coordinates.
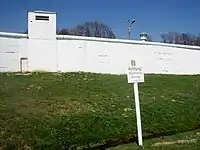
(135, 75)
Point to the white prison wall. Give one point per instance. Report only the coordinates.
(42, 50)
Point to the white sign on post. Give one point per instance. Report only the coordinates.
(135, 75)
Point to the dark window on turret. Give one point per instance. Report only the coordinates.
(45, 18)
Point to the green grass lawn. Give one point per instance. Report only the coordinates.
(54, 110)
(181, 141)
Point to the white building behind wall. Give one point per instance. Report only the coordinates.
(42, 50)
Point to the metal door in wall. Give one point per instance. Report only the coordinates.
(23, 64)
(9, 62)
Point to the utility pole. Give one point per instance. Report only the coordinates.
(129, 30)
(129, 27)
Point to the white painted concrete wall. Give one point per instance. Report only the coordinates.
(42, 55)
(73, 54)
(11, 49)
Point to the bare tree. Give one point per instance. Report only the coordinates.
(165, 37)
(197, 41)
(170, 37)
(149, 38)
(90, 29)
(180, 38)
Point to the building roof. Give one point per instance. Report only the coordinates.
(42, 11)
(143, 33)
(71, 37)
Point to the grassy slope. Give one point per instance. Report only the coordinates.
(56, 110)
(182, 141)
